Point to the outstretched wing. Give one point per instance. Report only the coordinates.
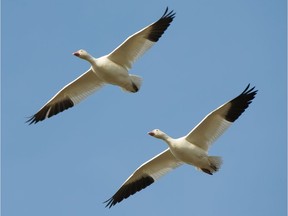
(68, 96)
(137, 44)
(218, 121)
(144, 176)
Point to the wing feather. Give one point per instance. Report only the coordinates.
(219, 120)
(137, 44)
(144, 176)
(68, 96)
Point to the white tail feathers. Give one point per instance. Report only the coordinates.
(136, 82)
(215, 163)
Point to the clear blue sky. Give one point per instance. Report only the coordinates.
(71, 163)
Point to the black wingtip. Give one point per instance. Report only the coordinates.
(50, 110)
(31, 120)
(250, 93)
(109, 203)
(39, 116)
(127, 190)
(171, 14)
(240, 103)
(160, 26)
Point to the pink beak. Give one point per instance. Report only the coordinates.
(76, 54)
(151, 133)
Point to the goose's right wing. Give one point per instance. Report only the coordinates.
(145, 175)
(68, 96)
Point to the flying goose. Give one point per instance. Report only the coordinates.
(109, 69)
(191, 149)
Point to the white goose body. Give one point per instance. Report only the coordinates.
(109, 69)
(191, 149)
(111, 73)
(189, 153)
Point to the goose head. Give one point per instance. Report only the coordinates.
(157, 133)
(82, 54)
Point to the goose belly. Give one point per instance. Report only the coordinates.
(190, 154)
(110, 72)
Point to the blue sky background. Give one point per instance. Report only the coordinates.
(71, 163)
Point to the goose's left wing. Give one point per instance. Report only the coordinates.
(218, 121)
(137, 44)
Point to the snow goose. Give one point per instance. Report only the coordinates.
(191, 149)
(109, 69)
